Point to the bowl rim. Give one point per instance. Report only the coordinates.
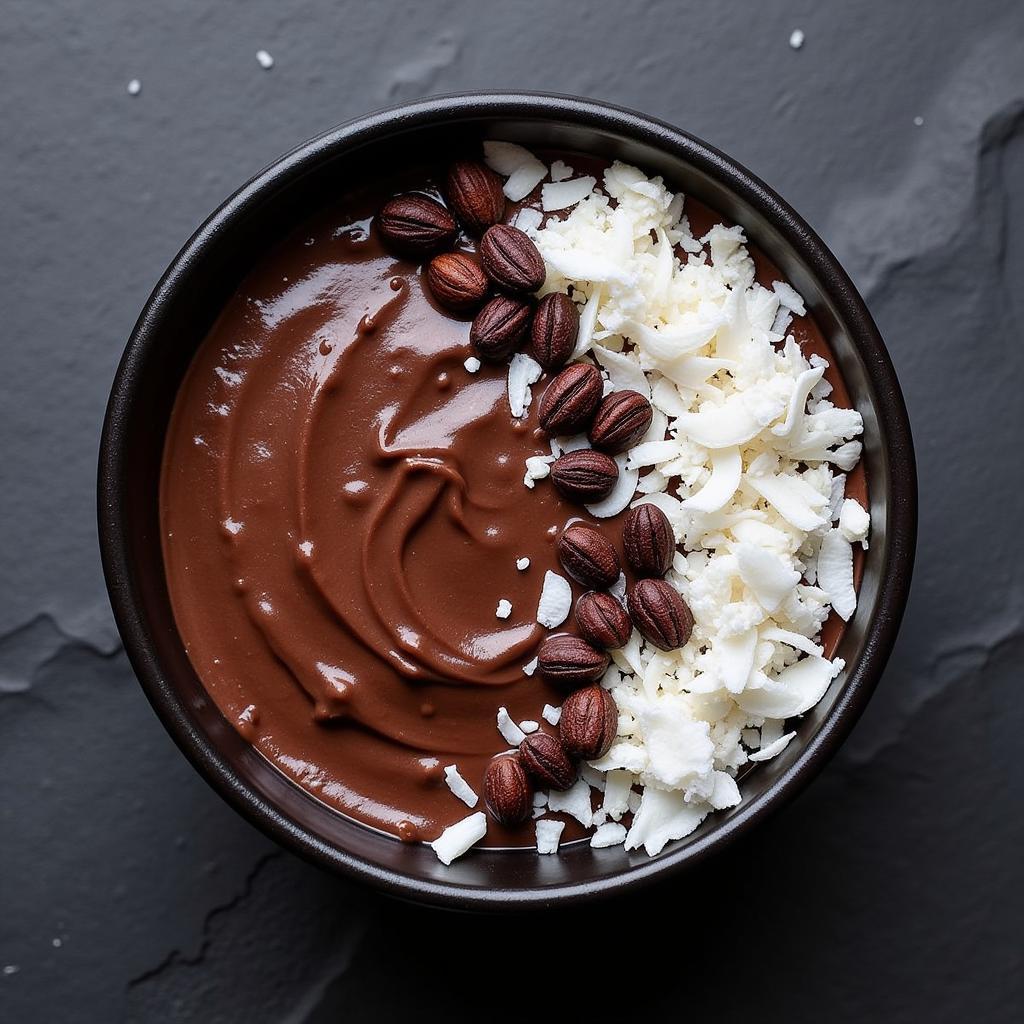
(893, 427)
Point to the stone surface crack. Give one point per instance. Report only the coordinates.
(176, 958)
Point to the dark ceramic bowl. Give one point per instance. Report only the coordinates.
(175, 321)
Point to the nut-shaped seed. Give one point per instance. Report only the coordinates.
(456, 281)
(648, 540)
(602, 620)
(661, 615)
(475, 194)
(511, 260)
(507, 790)
(570, 399)
(585, 476)
(415, 225)
(590, 719)
(499, 327)
(569, 661)
(546, 761)
(621, 420)
(588, 556)
(555, 328)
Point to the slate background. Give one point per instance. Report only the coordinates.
(890, 891)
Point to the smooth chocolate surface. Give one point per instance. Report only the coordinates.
(343, 507)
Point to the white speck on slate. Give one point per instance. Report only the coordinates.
(796, 38)
(134, 87)
(918, 121)
(266, 61)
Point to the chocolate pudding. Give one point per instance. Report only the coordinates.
(343, 509)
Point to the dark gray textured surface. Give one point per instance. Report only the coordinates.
(890, 891)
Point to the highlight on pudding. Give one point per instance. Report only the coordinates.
(515, 502)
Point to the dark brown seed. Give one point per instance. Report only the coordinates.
(570, 399)
(570, 661)
(555, 328)
(621, 420)
(511, 260)
(546, 761)
(590, 719)
(602, 620)
(499, 327)
(456, 281)
(588, 556)
(415, 225)
(648, 540)
(475, 194)
(507, 791)
(660, 614)
(585, 476)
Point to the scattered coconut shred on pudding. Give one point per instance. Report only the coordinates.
(745, 456)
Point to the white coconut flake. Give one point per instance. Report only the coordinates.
(506, 158)
(588, 320)
(555, 600)
(530, 667)
(663, 815)
(854, 521)
(560, 194)
(611, 833)
(551, 715)
(524, 179)
(504, 609)
(726, 471)
(618, 589)
(459, 786)
(623, 371)
(773, 749)
(472, 364)
(724, 793)
(549, 834)
(618, 785)
(575, 801)
(835, 573)
(522, 564)
(510, 732)
(560, 171)
(796, 689)
(767, 575)
(789, 297)
(734, 658)
(522, 372)
(621, 494)
(528, 219)
(529, 726)
(457, 839)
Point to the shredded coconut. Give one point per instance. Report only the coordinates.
(549, 833)
(504, 609)
(551, 715)
(746, 456)
(555, 600)
(457, 839)
(459, 786)
(510, 732)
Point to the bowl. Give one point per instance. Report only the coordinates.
(173, 324)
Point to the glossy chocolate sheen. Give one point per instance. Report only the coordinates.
(342, 509)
